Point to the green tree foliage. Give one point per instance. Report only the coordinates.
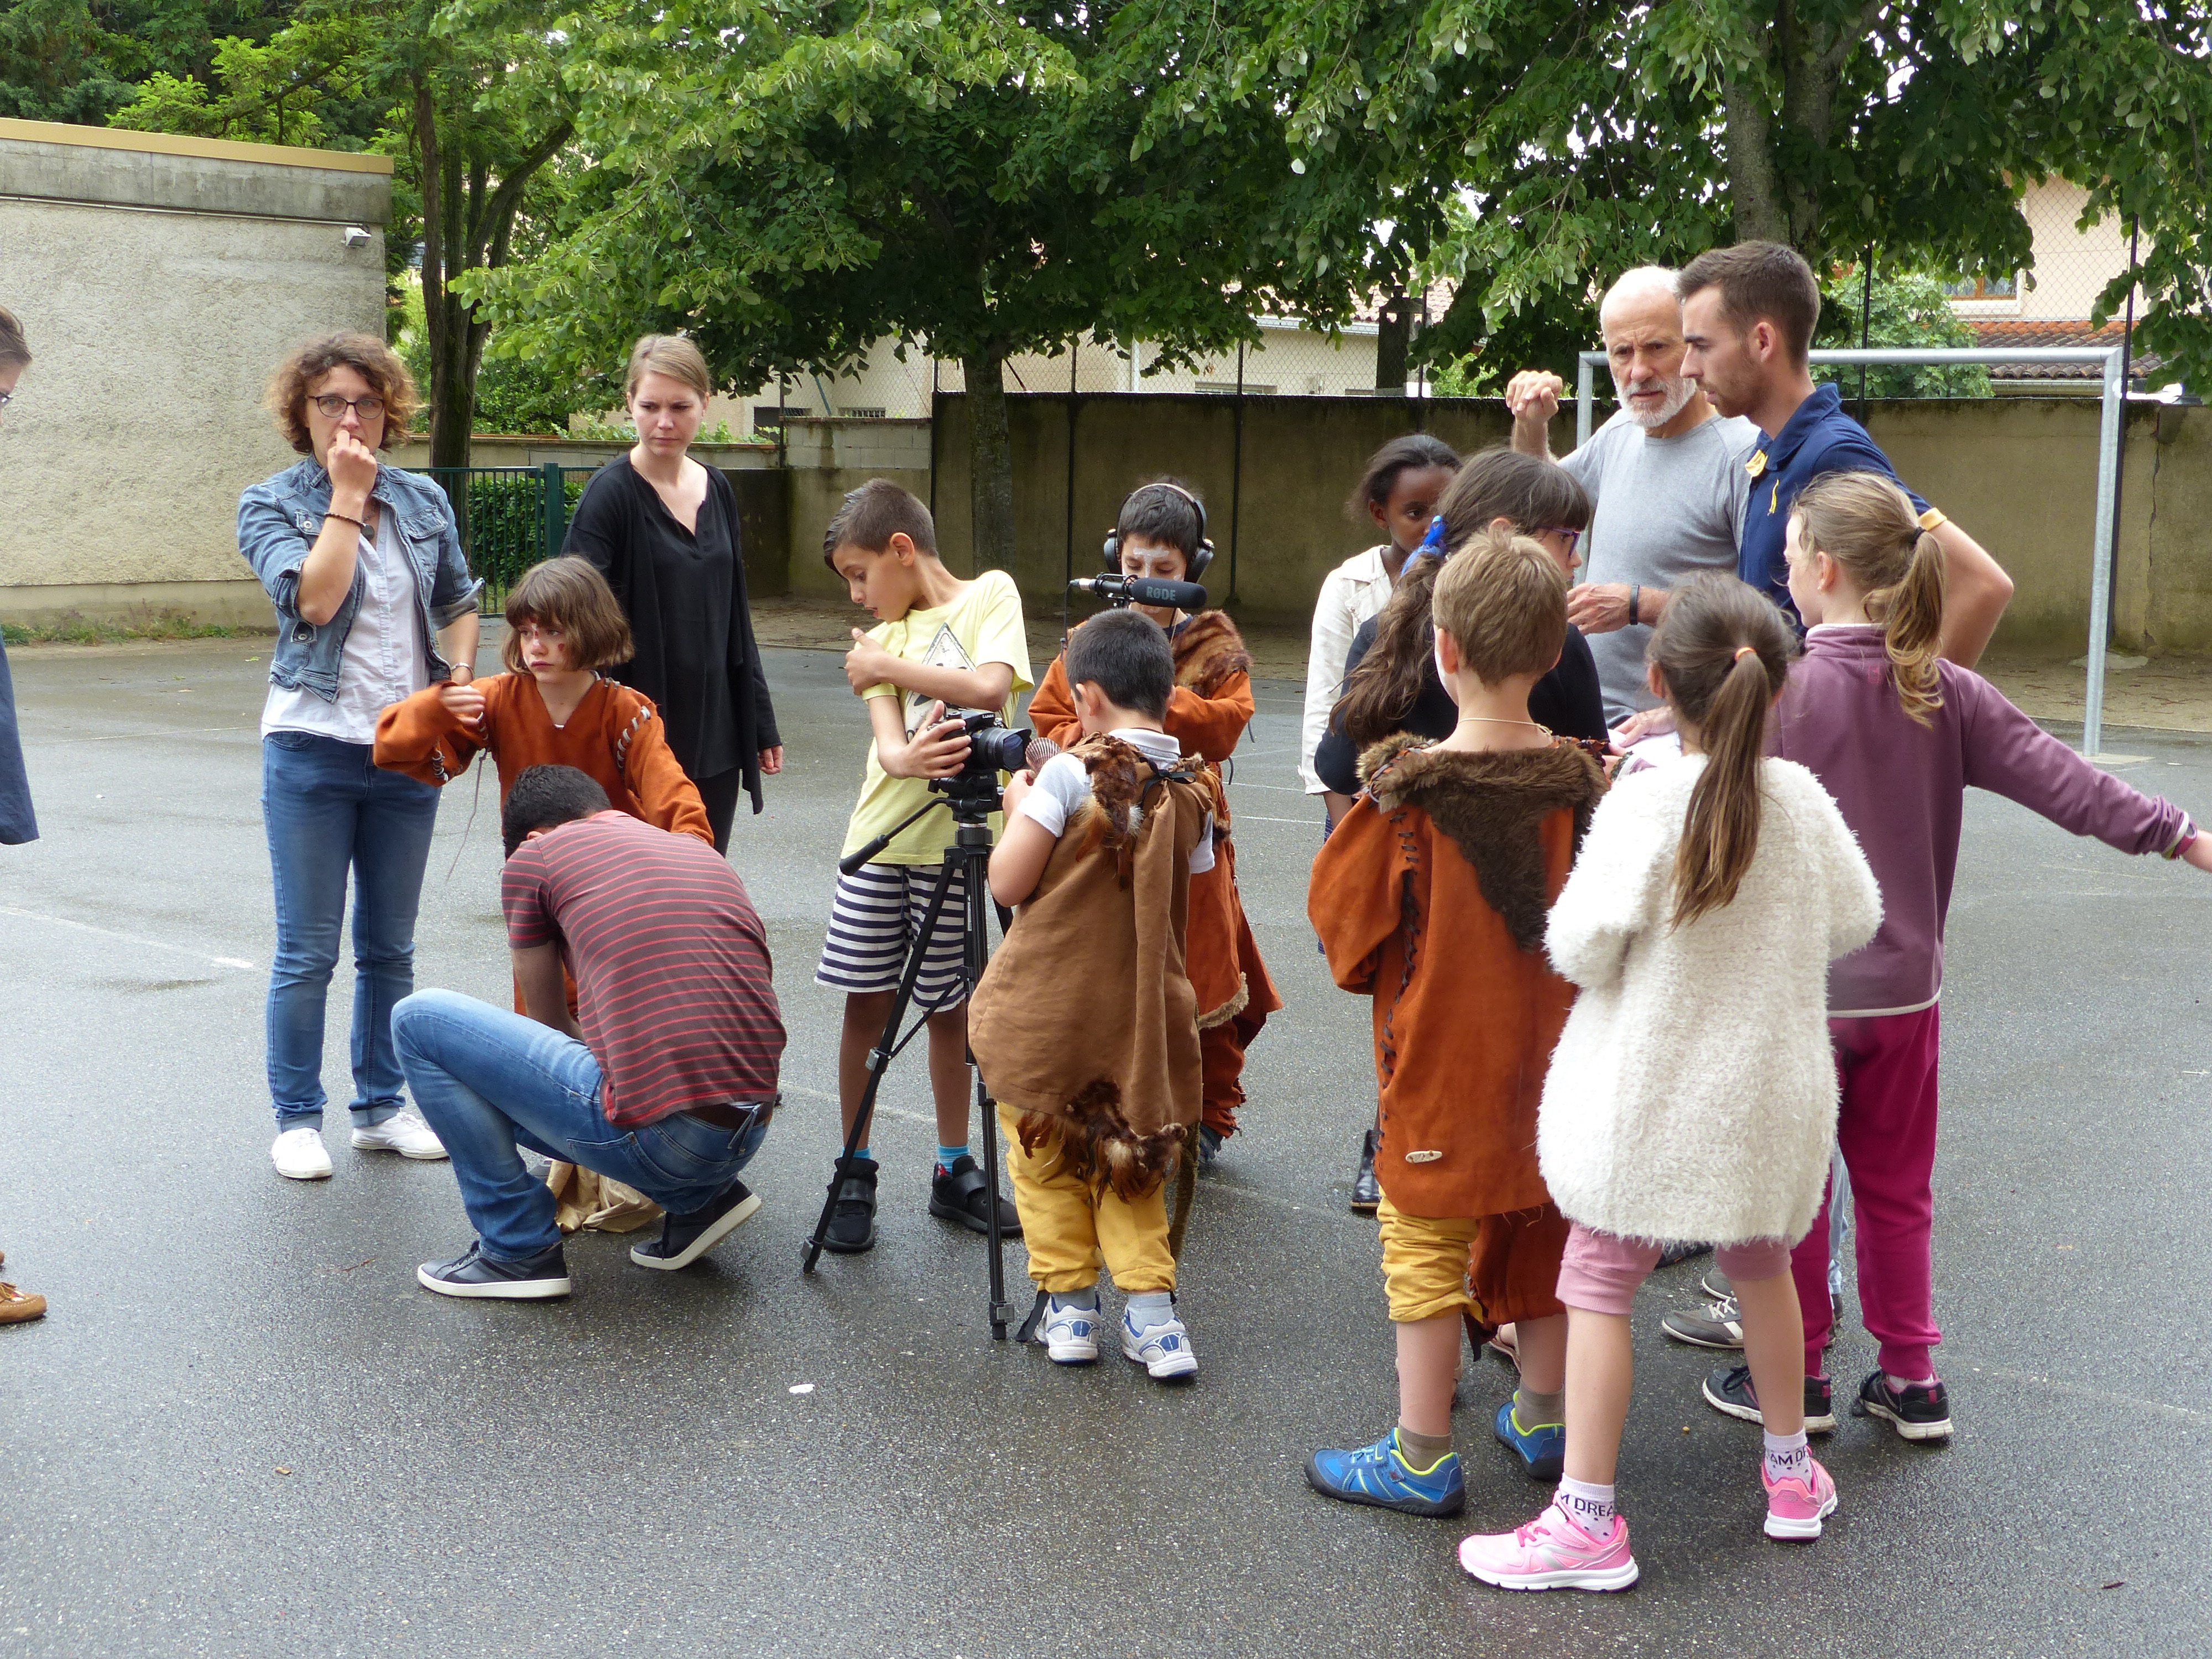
(1535, 150)
(81, 60)
(307, 85)
(470, 104)
(792, 181)
(1908, 310)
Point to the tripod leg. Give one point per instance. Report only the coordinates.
(976, 861)
(879, 1060)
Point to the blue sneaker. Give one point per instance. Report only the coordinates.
(1380, 1475)
(1543, 1448)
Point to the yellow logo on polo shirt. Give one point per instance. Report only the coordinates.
(1756, 463)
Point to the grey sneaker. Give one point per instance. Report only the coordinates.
(1717, 1324)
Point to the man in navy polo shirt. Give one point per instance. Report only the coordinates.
(1747, 317)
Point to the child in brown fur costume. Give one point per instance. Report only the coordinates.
(1431, 897)
(1161, 532)
(1085, 1026)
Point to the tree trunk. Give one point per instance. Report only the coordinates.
(1754, 182)
(990, 460)
(1393, 341)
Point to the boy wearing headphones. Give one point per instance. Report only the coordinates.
(1161, 533)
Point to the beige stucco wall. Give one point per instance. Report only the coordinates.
(157, 289)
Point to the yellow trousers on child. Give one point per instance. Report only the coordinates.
(1069, 1228)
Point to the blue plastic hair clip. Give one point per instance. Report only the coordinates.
(1432, 544)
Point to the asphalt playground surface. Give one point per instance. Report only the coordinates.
(244, 1429)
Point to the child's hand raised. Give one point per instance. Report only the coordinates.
(868, 664)
(1018, 786)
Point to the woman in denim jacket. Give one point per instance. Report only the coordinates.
(363, 564)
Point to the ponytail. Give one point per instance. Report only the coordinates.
(1383, 689)
(1910, 612)
(1723, 653)
(1866, 524)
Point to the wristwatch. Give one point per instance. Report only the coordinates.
(1635, 604)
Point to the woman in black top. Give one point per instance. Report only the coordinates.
(663, 530)
(1396, 689)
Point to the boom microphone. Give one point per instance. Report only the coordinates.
(1143, 590)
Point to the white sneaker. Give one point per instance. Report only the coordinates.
(1071, 1334)
(1162, 1349)
(404, 1133)
(300, 1155)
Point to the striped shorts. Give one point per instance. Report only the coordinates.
(876, 917)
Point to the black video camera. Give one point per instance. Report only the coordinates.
(992, 747)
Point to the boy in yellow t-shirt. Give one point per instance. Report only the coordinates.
(940, 643)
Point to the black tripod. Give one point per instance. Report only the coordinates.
(972, 804)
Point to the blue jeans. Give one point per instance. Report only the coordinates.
(488, 1081)
(330, 811)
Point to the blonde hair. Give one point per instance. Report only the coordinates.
(1722, 652)
(1503, 600)
(671, 355)
(14, 354)
(1866, 524)
(368, 356)
(570, 594)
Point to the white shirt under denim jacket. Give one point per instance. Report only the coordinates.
(278, 521)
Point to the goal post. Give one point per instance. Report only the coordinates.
(2108, 471)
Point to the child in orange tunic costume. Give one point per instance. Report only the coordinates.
(1429, 896)
(552, 707)
(1161, 532)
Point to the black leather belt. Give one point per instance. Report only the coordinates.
(737, 1114)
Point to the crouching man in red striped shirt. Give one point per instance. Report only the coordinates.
(665, 1076)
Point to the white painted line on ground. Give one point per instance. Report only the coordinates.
(1255, 818)
(127, 938)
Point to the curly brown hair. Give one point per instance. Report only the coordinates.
(368, 356)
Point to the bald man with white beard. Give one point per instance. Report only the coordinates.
(1666, 476)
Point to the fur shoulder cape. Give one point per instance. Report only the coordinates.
(1208, 651)
(1492, 806)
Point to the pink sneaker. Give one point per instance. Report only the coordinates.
(1794, 1509)
(1551, 1552)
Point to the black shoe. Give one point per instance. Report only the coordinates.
(960, 1192)
(544, 1275)
(853, 1222)
(1673, 1255)
(1729, 1390)
(684, 1238)
(1713, 1325)
(1367, 1191)
(1915, 1413)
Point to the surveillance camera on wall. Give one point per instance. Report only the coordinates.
(355, 236)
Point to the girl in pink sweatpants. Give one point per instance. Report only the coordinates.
(1896, 735)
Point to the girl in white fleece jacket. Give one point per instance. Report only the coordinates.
(1692, 1094)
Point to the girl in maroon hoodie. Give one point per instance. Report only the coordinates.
(1896, 735)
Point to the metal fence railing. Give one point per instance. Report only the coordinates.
(509, 517)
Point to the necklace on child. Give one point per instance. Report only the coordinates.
(1498, 720)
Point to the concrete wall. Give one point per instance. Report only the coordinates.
(2020, 476)
(1274, 537)
(159, 280)
(2019, 473)
(825, 459)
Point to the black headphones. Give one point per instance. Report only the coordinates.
(1199, 560)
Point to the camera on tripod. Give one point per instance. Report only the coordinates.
(992, 747)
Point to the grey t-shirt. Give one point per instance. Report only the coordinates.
(1666, 508)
